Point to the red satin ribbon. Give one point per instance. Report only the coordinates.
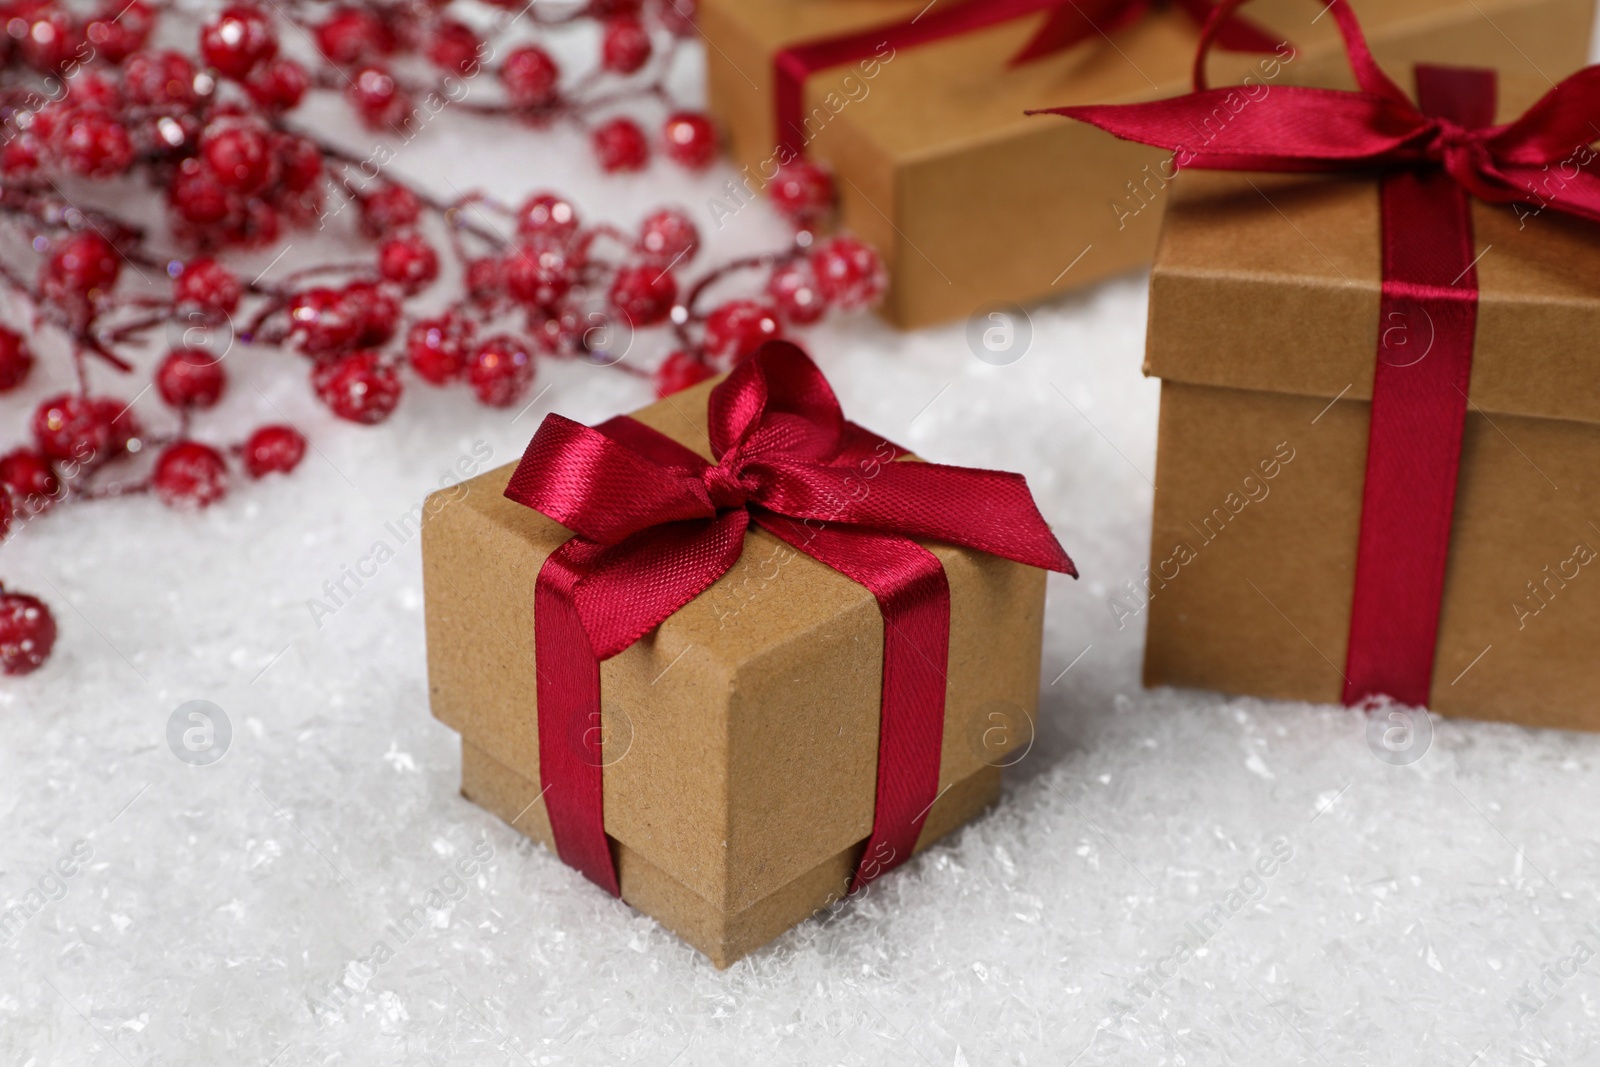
(1435, 155)
(1069, 23)
(655, 525)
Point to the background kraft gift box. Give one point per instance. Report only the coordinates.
(1263, 327)
(740, 736)
(971, 202)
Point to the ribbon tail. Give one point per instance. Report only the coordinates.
(567, 691)
(913, 594)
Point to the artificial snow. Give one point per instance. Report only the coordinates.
(323, 895)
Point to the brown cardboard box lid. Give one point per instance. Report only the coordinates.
(953, 94)
(1272, 282)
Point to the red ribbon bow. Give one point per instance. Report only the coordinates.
(1070, 22)
(656, 525)
(1433, 154)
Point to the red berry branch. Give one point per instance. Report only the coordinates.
(467, 292)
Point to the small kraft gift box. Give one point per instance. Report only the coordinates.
(918, 109)
(1380, 404)
(733, 657)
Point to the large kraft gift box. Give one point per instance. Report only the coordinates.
(1264, 321)
(970, 201)
(740, 736)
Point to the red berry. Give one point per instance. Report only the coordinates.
(30, 478)
(378, 99)
(278, 85)
(95, 90)
(359, 387)
(541, 271)
(209, 286)
(238, 154)
(376, 309)
(624, 45)
(189, 474)
(273, 450)
(676, 16)
(16, 360)
(738, 328)
(531, 78)
(237, 39)
(27, 633)
(353, 35)
(324, 321)
(190, 379)
(486, 280)
(849, 273)
(21, 156)
(159, 79)
(802, 192)
(84, 267)
(92, 143)
(453, 47)
(437, 348)
(679, 371)
(501, 371)
(48, 37)
(69, 427)
(120, 29)
(620, 146)
(391, 208)
(794, 291)
(668, 238)
(643, 294)
(408, 261)
(556, 330)
(197, 196)
(691, 139)
(300, 163)
(547, 215)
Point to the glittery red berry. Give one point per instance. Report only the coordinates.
(378, 100)
(541, 271)
(209, 286)
(802, 192)
(620, 146)
(668, 238)
(238, 154)
(691, 139)
(408, 261)
(438, 348)
(196, 194)
(391, 208)
(485, 280)
(794, 292)
(278, 85)
(547, 215)
(236, 39)
(189, 474)
(375, 308)
(679, 371)
(273, 450)
(27, 633)
(323, 321)
(359, 387)
(69, 427)
(501, 371)
(119, 30)
(454, 48)
(30, 478)
(159, 79)
(531, 78)
(353, 35)
(738, 328)
(624, 45)
(91, 142)
(16, 360)
(47, 37)
(82, 267)
(190, 379)
(643, 293)
(299, 163)
(849, 273)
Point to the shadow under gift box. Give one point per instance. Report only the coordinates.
(1264, 328)
(971, 202)
(740, 736)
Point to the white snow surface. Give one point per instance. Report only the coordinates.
(1444, 912)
